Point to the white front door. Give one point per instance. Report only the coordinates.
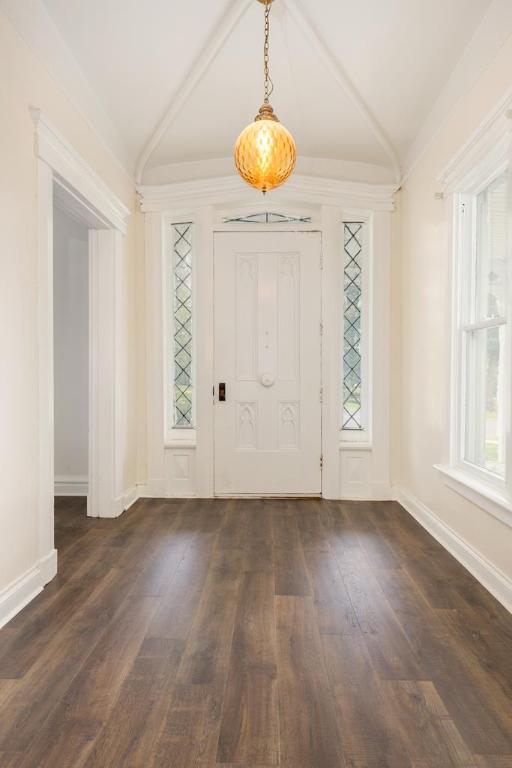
(267, 363)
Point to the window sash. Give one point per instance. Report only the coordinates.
(469, 324)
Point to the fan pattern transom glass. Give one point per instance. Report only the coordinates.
(268, 218)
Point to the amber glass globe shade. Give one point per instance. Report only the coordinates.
(265, 152)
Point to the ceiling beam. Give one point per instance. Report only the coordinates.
(191, 80)
(237, 9)
(341, 77)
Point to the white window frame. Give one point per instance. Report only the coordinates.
(176, 434)
(362, 435)
(486, 157)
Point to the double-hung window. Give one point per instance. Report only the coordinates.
(481, 395)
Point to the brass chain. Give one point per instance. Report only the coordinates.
(269, 86)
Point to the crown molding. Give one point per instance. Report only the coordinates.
(74, 174)
(226, 189)
(489, 37)
(487, 147)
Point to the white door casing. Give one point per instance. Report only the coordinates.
(267, 330)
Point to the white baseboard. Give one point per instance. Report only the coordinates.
(130, 497)
(496, 582)
(71, 485)
(16, 595)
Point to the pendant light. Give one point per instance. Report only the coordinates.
(265, 152)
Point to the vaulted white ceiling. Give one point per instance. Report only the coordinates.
(355, 80)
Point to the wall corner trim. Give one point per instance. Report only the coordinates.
(73, 173)
(496, 582)
(16, 595)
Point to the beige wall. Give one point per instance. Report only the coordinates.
(24, 83)
(425, 300)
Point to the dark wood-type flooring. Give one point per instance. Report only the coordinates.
(248, 634)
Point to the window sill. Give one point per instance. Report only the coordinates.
(181, 438)
(492, 501)
(354, 445)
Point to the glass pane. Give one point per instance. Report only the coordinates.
(352, 286)
(268, 218)
(485, 391)
(491, 250)
(181, 346)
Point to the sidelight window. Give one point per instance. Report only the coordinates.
(354, 328)
(181, 336)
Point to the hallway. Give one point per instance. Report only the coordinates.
(255, 633)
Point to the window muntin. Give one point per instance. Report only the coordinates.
(483, 330)
(268, 217)
(181, 338)
(352, 411)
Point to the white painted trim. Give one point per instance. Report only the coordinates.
(484, 151)
(76, 175)
(345, 445)
(191, 80)
(71, 486)
(35, 25)
(489, 37)
(45, 433)
(191, 444)
(16, 595)
(197, 444)
(483, 158)
(212, 48)
(125, 501)
(225, 189)
(330, 62)
(481, 494)
(496, 582)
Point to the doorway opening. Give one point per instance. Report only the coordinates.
(71, 359)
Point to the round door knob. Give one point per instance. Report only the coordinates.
(267, 379)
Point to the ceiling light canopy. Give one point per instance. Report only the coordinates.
(265, 152)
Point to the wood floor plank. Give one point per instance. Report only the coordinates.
(250, 721)
(58, 664)
(390, 650)
(368, 735)
(69, 733)
(308, 732)
(207, 650)
(335, 612)
(430, 734)
(290, 571)
(480, 710)
(150, 679)
(179, 605)
(255, 634)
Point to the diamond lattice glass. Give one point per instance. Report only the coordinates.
(182, 325)
(352, 310)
